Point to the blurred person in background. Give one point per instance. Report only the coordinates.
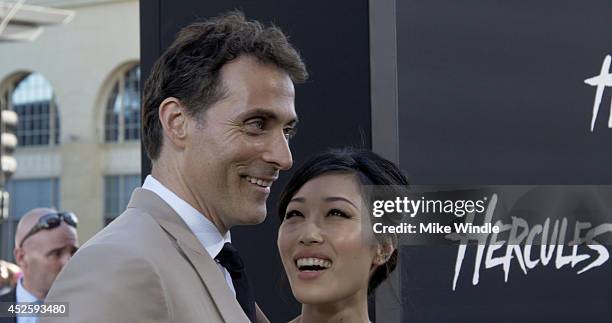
(9, 273)
(45, 241)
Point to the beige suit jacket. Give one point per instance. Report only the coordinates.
(146, 266)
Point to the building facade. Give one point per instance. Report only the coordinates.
(76, 92)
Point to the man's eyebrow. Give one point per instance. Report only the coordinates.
(54, 250)
(267, 114)
(293, 122)
(72, 247)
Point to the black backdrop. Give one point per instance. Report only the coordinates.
(333, 106)
(493, 92)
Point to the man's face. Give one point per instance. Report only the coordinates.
(44, 255)
(234, 152)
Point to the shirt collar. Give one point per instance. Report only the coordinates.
(206, 232)
(22, 294)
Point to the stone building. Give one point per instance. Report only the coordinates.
(76, 91)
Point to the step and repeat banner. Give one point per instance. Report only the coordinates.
(511, 101)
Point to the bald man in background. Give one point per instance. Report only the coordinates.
(44, 242)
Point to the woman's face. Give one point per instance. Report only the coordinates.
(322, 243)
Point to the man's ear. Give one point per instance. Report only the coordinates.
(383, 253)
(173, 118)
(19, 255)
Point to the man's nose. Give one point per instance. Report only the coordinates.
(278, 152)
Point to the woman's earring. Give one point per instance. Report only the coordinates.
(381, 257)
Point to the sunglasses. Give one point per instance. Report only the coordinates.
(50, 221)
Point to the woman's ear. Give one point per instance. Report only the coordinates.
(173, 118)
(383, 253)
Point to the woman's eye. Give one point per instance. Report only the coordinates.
(291, 214)
(336, 212)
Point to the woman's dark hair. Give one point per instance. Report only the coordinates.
(370, 168)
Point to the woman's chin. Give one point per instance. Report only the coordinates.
(314, 299)
(314, 294)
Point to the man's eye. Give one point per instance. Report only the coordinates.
(291, 214)
(336, 212)
(256, 125)
(290, 132)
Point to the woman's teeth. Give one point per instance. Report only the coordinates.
(313, 263)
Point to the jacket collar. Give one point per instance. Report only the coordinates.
(192, 250)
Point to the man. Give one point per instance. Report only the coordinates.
(218, 112)
(44, 242)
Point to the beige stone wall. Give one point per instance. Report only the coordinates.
(79, 60)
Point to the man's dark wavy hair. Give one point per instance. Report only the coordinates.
(189, 69)
(370, 168)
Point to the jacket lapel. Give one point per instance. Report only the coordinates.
(193, 251)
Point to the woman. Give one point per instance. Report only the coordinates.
(330, 254)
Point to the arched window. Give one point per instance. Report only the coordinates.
(33, 99)
(122, 115)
